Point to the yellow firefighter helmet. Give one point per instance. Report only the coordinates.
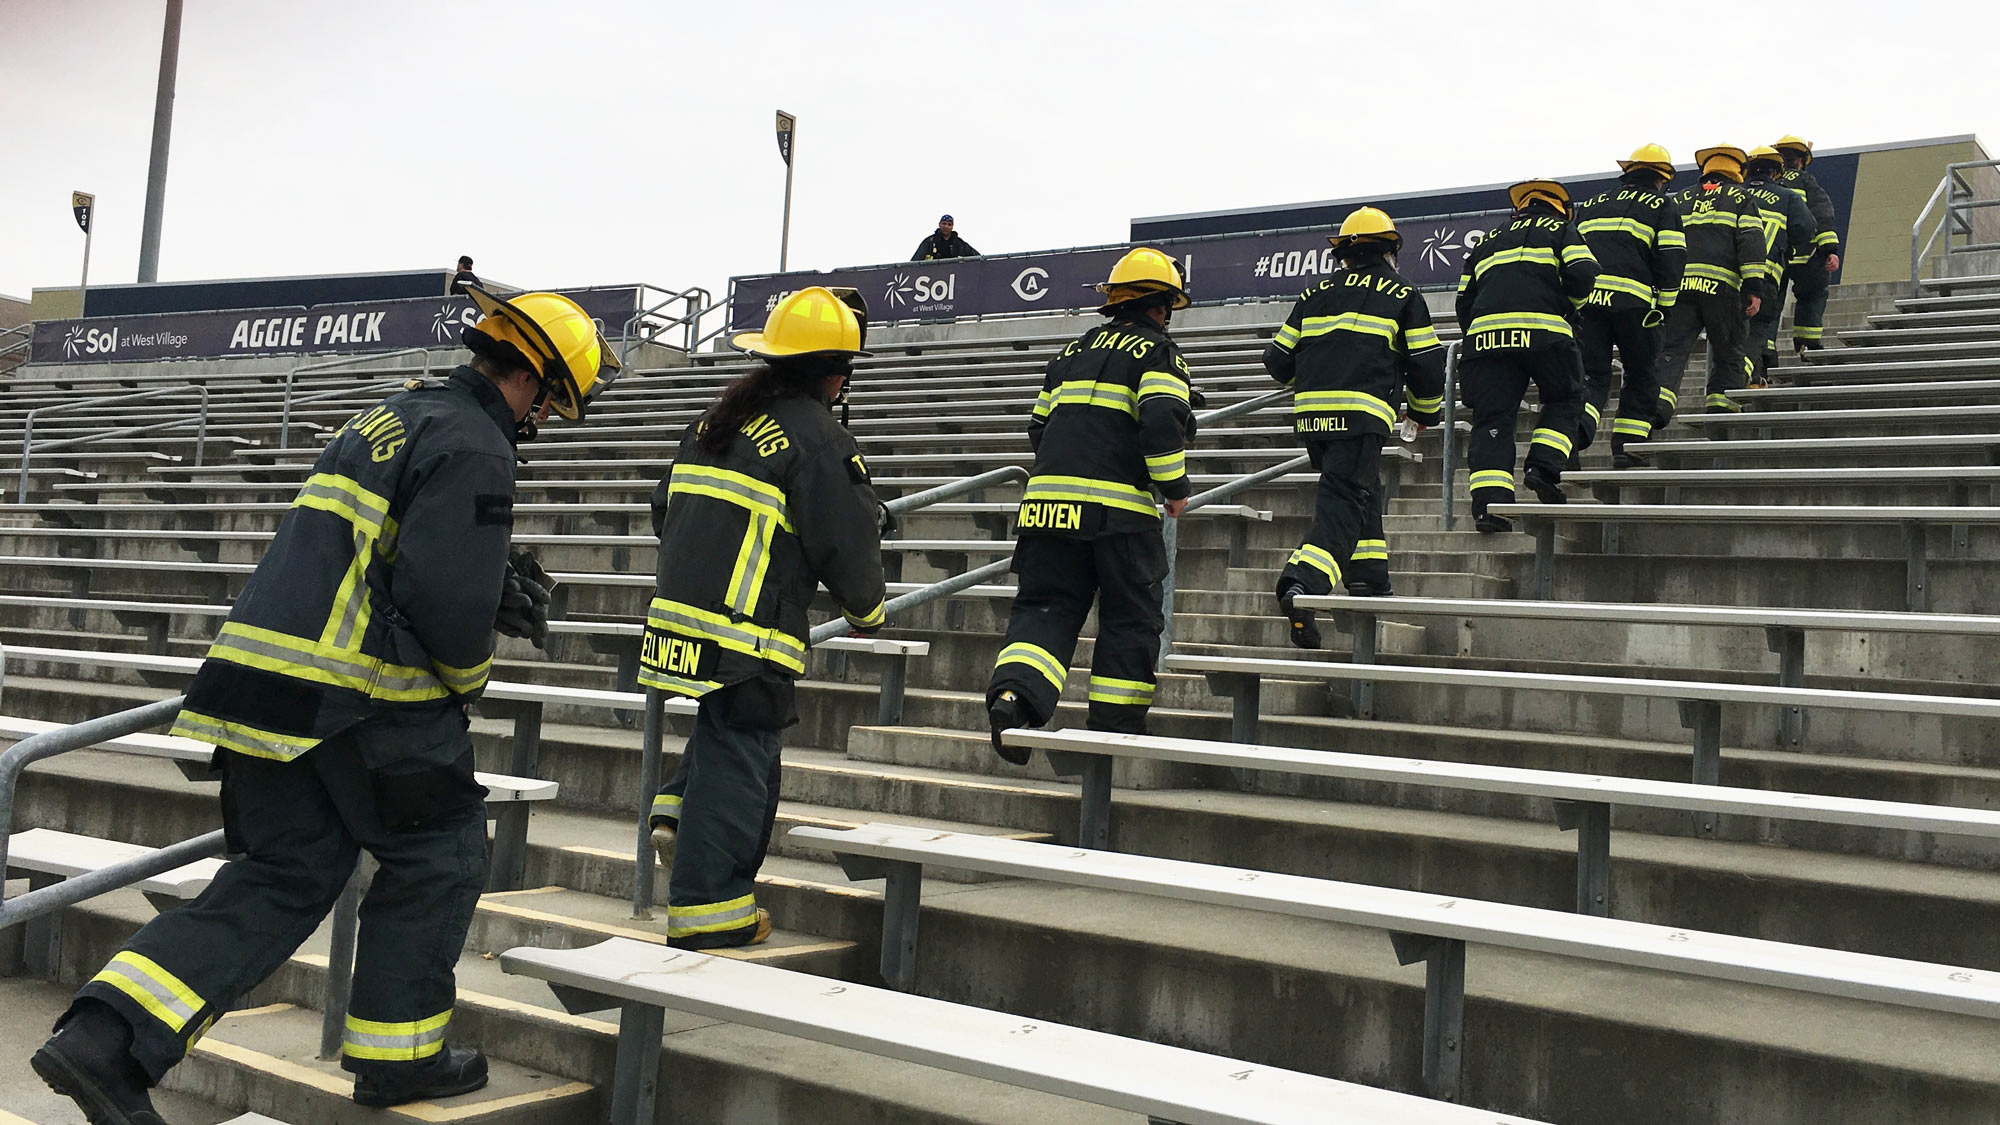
(1142, 272)
(1651, 158)
(1369, 224)
(1794, 145)
(1726, 161)
(1547, 191)
(816, 320)
(550, 335)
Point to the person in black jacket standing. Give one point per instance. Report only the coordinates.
(768, 498)
(1109, 434)
(1520, 290)
(1811, 268)
(1788, 228)
(1728, 278)
(1350, 346)
(1635, 234)
(943, 243)
(335, 696)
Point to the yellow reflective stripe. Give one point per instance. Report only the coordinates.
(1159, 383)
(1087, 392)
(869, 620)
(1167, 466)
(1464, 281)
(1319, 558)
(1088, 490)
(1710, 219)
(1673, 240)
(239, 737)
(153, 988)
(1493, 478)
(1717, 398)
(1577, 252)
(667, 804)
(1707, 272)
(1807, 332)
(1669, 397)
(1417, 339)
(753, 561)
(735, 914)
(1335, 402)
(302, 659)
(1036, 657)
(397, 1042)
(1554, 439)
(1371, 550)
(1287, 337)
(1596, 415)
(463, 681)
(1132, 693)
(1664, 299)
(1385, 327)
(1632, 427)
(676, 684)
(1827, 238)
(1519, 255)
(745, 637)
(1545, 322)
(346, 498)
(1628, 285)
(1633, 227)
(740, 489)
(1044, 402)
(1423, 405)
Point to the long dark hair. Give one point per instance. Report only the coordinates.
(763, 385)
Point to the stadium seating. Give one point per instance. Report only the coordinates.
(138, 560)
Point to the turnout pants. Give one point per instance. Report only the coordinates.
(1810, 281)
(1494, 383)
(722, 803)
(1347, 521)
(297, 828)
(1639, 349)
(1058, 578)
(1720, 315)
(1761, 349)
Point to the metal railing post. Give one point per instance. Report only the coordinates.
(28, 425)
(1449, 460)
(650, 743)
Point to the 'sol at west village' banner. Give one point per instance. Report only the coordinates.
(424, 322)
(1230, 268)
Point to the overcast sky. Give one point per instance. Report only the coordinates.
(600, 141)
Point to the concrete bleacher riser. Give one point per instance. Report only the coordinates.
(1346, 1009)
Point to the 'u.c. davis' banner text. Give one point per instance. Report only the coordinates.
(1226, 268)
(369, 326)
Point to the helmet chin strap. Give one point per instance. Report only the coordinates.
(525, 429)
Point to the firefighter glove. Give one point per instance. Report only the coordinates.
(524, 601)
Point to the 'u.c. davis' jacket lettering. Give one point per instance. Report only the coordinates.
(1109, 432)
(1788, 222)
(1725, 236)
(1641, 253)
(747, 536)
(1523, 282)
(378, 593)
(1350, 346)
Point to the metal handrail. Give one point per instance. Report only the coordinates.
(28, 426)
(1171, 534)
(694, 295)
(929, 496)
(1449, 464)
(1954, 200)
(285, 422)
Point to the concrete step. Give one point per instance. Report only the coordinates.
(32, 1008)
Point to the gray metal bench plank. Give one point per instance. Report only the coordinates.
(1169, 1083)
(1661, 613)
(69, 855)
(1747, 513)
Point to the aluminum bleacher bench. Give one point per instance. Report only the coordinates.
(1167, 1084)
(1542, 519)
(1844, 446)
(48, 857)
(1700, 703)
(1772, 419)
(1583, 802)
(1609, 485)
(1421, 927)
(1872, 392)
(1784, 629)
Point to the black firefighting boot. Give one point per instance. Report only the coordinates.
(90, 1062)
(1545, 490)
(1621, 458)
(1302, 629)
(1370, 590)
(447, 1074)
(1005, 713)
(1491, 524)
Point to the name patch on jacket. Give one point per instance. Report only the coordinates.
(381, 429)
(1058, 515)
(491, 509)
(679, 656)
(857, 469)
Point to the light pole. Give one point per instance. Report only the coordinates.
(163, 127)
(788, 131)
(84, 204)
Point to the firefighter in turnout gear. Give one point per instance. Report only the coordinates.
(335, 696)
(1635, 234)
(1109, 433)
(1727, 280)
(1810, 270)
(768, 498)
(1517, 297)
(1788, 225)
(1349, 348)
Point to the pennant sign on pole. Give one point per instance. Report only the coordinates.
(786, 124)
(81, 202)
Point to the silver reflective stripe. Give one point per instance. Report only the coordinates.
(399, 1044)
(742, 493)
(1036, 491)
(369, 673)
(744, 600)
(1108, 694)
(720, 920)
(684, 623)
(167, 1001)
(201, 728)
(357, 597)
